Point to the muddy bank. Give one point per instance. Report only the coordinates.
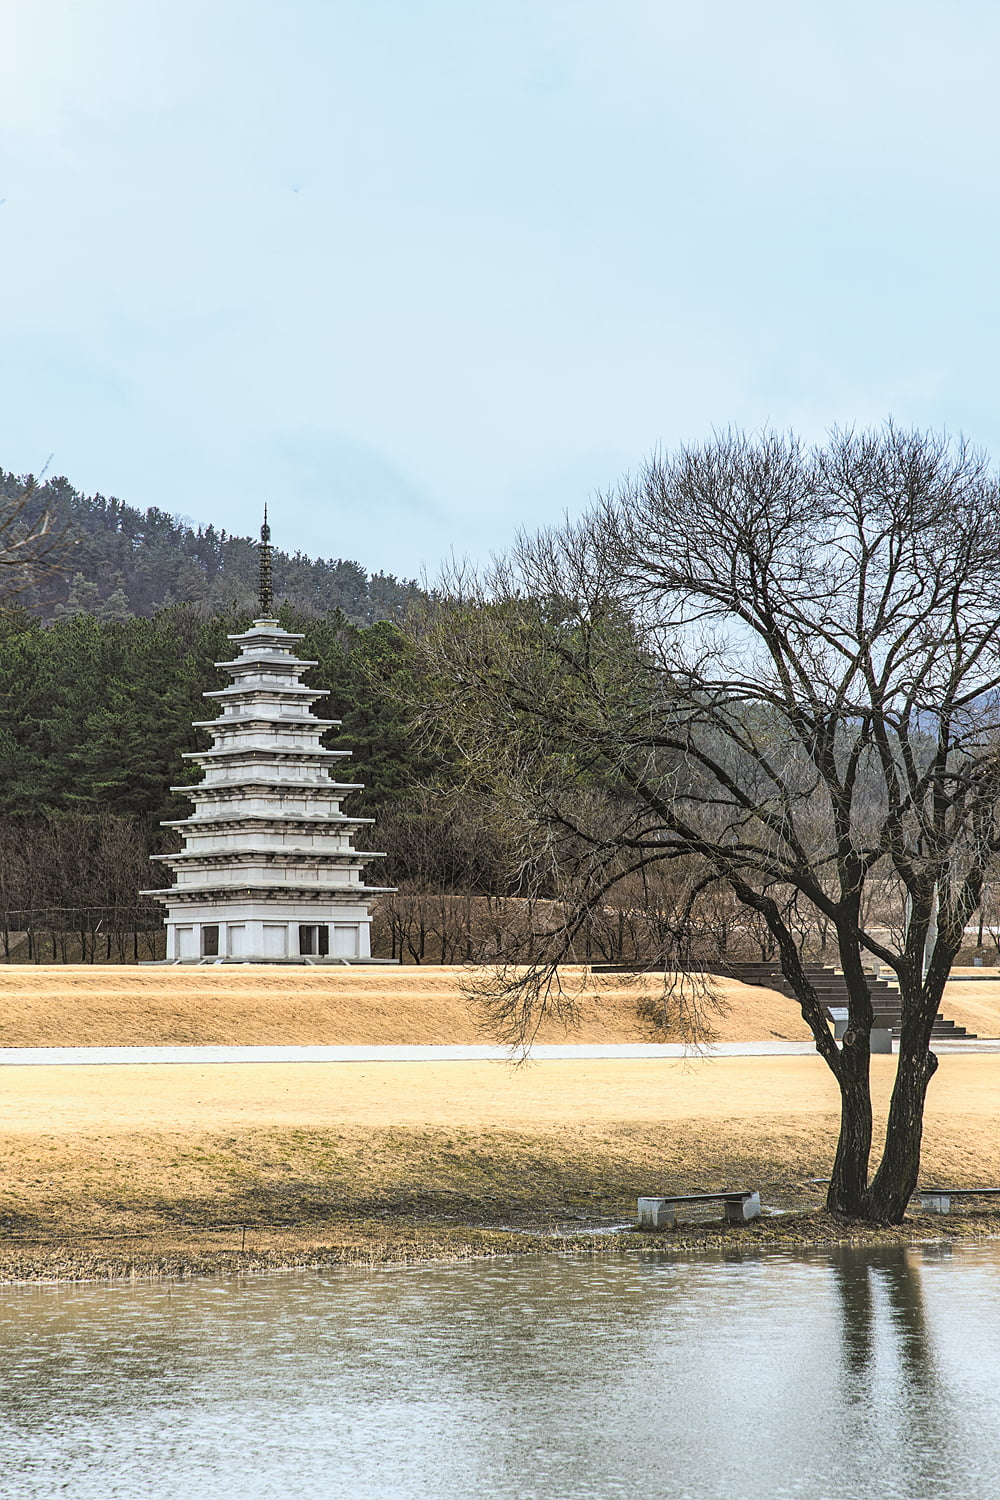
(234, 1250)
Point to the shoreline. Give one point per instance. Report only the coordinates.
(181, 1254)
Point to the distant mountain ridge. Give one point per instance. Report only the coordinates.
(118, 562)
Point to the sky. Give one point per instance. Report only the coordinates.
(421, 273)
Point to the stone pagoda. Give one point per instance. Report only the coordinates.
(268, 873)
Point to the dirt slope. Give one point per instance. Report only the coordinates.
(101, 1006)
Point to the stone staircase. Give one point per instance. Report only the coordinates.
(831, 987)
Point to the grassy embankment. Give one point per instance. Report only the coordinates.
(150, 1169)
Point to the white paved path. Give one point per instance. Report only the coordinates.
(87, 1056)
(21, 1056)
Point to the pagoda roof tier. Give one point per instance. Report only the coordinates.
(301, 821)
(272, 694)
(271, 853)
(293, 666)
(303, 753)
(229, 790)
(265, 628)
(268, 721)
(268, 708)
(333, 895)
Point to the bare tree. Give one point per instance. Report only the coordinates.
(68, 884)
(781, 667)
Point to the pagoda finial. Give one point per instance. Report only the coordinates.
(266, 598)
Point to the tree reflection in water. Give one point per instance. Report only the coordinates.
(891, 1377)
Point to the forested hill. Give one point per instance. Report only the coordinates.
(118, 562)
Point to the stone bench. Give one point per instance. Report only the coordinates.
(880, 1038)
(938, 1200)
(661, 1213)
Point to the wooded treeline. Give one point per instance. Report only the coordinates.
(117, 561)
(96, 716)
(103, 663)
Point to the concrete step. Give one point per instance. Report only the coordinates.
(831, 990)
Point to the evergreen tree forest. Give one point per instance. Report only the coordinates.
(97, 714)
(115, 561)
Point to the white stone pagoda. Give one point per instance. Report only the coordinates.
(268, 873)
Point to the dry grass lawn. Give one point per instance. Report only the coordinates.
(306, 1153)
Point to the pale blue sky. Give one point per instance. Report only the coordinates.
(419, 272)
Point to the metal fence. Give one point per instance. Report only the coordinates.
(83, 934)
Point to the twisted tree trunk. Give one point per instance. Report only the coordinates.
(896, 1179)
(848, 1190)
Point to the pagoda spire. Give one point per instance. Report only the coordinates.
(266, 592)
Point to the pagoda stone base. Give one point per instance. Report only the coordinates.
(272, 932)
(334, 963)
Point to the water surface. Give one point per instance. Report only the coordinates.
(872, 1374)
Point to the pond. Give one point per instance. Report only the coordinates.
(821, 1376)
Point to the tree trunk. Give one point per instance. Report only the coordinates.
(896, 1178)
(848, 1190)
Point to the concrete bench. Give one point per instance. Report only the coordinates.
(938, 1200)
(661, 1213)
